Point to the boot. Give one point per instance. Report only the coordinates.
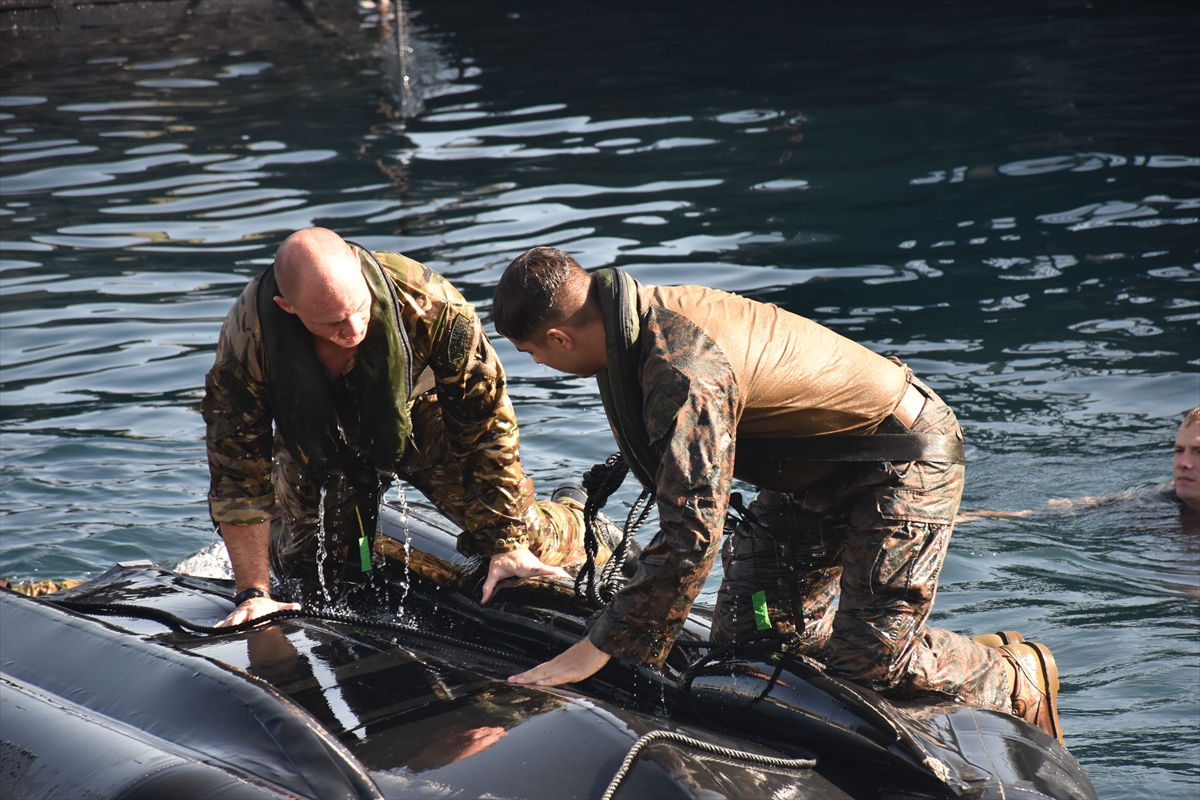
(1035, 690)
(999, 638)
(610, 533)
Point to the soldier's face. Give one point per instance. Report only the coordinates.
(560, 355)
(1187, 465)
(339, 315)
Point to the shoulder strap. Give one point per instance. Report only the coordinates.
(301, 396)
(385, 378)
(619, 384)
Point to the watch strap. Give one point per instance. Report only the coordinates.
(249, 594)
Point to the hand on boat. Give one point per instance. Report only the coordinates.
(581, 661)
(254, 608)
(519, 564)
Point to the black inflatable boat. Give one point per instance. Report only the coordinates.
(106, 693)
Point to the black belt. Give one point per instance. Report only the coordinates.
(938, 448)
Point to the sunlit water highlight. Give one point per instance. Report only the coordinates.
(1004, 197)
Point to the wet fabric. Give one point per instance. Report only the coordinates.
(463, 452)
(881, 528)
(796, 377)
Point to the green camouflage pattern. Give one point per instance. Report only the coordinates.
(682, 371)
(871, 536)
(463, 454)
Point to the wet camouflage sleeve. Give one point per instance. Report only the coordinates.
(238, 415)
(691, 409)
(481, 426)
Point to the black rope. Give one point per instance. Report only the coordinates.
(177, 623)
(699, 744)
(763, 641)
(612, 577)
(600, 482)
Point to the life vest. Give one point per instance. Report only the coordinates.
(619, 382)
(761, 460)
(302, 399)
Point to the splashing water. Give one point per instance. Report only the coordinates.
(322, 544)
(408, 99)
(211, 561)
(405, 582)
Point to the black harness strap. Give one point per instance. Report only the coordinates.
(936, 448)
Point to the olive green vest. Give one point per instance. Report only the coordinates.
(302, 399)
(619, 382)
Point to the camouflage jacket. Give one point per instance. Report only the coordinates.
(448, 343)
(744, 369)
(681, 368)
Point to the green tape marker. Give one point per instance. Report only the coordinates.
(762, 620)
(364, 547)
(364, 554)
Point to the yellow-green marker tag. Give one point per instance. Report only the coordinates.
(364, 547)
(762, 620)
(364, 554)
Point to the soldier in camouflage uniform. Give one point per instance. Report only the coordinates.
(455, 431)
(686, 373)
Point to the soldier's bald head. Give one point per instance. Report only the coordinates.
(313, 264)
(321, 282)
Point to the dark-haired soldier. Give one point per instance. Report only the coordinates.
(335, 370)
(859, 509)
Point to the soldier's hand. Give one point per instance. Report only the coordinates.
(517, 564)
(254, 608)
(582, 660)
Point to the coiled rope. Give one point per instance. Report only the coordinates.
(698, 744)
(600, 482)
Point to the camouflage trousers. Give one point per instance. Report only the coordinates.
(316, 529)
(849, 568)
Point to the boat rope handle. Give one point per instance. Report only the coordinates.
(698, 744)
(600, 482)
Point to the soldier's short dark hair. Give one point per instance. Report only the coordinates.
(528, 298)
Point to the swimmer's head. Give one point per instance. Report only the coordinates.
(1187, 459)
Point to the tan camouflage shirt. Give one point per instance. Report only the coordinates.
(447, 342)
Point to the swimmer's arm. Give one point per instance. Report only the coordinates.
(971, 516)
(1057, 505)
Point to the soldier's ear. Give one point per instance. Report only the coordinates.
(561, 338)
(282, 302)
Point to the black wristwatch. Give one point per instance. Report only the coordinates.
(249, 594)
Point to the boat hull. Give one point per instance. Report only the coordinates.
(363, 707)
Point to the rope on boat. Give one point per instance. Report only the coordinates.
(698, 744)
(349, 618)
(600, 482)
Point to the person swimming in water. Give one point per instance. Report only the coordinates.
(1183, 490)
(1186, 465)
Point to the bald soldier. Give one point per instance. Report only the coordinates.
(858, 463)
(336, 370)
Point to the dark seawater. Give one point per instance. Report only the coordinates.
(1005, 195)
